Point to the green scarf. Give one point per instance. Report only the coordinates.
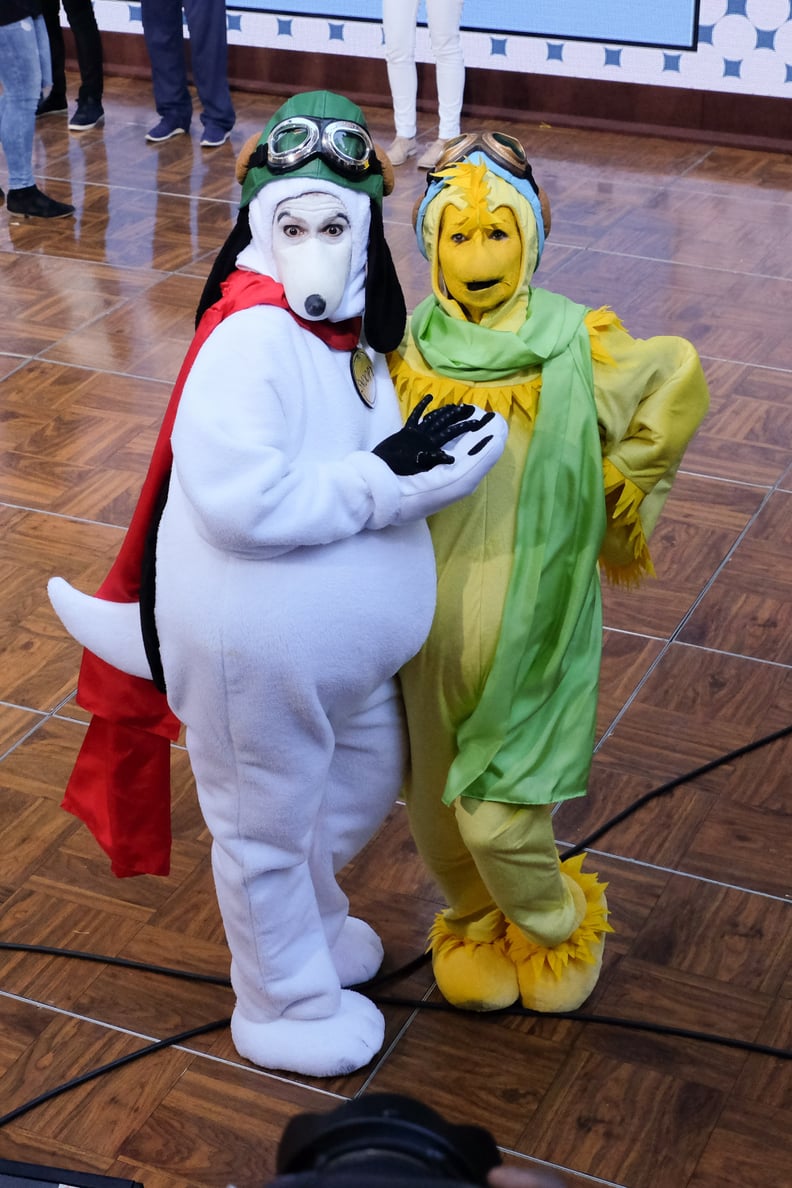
(530, 738)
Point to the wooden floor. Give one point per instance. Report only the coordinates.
(95, 315)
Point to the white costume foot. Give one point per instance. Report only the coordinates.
(358, 952)
(329, 1047)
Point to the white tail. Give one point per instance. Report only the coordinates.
(111, 630)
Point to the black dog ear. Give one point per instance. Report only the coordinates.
(225, 263)
(385, 315)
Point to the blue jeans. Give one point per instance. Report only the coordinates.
(25, 73)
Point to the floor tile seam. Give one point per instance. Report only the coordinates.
(45, 511)
(44, 717)
(684, 643)
(672, 262)
(95, 370)
(748, 484)
(644, 635)
(725, 560)
(85, 183)
(382, 1058)
(61, 716)
(692, 876)
(704, 155)
(104, 265)
(241, 1064)
(763, 660)
(23, 361)
(558, 1167)
(670, 642)
(745, 363)
(41, 357)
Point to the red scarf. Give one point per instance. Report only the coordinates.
(120, 785)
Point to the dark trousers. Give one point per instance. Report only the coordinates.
(87, 42)
(163, 31)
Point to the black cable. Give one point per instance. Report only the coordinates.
(664, 789)
(113, 1064)
(187, 975)
(706, 1037)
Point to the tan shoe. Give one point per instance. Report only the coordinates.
(402, 148)
(431, 154)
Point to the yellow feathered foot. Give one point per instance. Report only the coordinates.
(562, 978)
(476, 975)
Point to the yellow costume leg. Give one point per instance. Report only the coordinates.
(558, 916)
(468, 941)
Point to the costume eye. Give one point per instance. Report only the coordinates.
(458, 237)
(291, 230)
(333, 230)
(497, 233)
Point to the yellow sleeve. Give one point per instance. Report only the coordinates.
(651, 396)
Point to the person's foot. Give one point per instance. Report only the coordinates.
(401, 149)
(52, 105)
(31, 202)
(2, 197)
(89, 114)
(165, 130)
(431, 154)
(214, 136)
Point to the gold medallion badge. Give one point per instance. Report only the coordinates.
(363, 376)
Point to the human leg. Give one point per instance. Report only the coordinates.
(164, 36)
(88, 45)
(444, 17)
(56, 100)
(20, 75)
(23, 46)
(206, 20)
(398, 24)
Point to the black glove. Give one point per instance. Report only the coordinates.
(418, 445)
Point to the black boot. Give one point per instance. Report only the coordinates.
(30, 201)
(52, 105)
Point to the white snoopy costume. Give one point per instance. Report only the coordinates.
(294, 577)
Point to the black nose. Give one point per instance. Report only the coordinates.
(315, 305)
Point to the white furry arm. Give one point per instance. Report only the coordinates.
(270, 443)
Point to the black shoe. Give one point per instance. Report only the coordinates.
(2, 197)
(89, 114)
(52, 105)
(30, 201)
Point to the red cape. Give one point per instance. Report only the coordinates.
(120, 784)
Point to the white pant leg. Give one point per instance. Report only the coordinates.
(444, 17)
(398, 23)
(260, 800)
(365, 777)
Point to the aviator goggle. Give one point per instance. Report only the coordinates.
(342, 144)
(501, 148)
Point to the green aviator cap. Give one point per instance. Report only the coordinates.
(317, 134)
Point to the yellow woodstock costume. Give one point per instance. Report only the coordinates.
(501, 700)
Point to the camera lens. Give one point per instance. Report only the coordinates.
(383, 1139)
